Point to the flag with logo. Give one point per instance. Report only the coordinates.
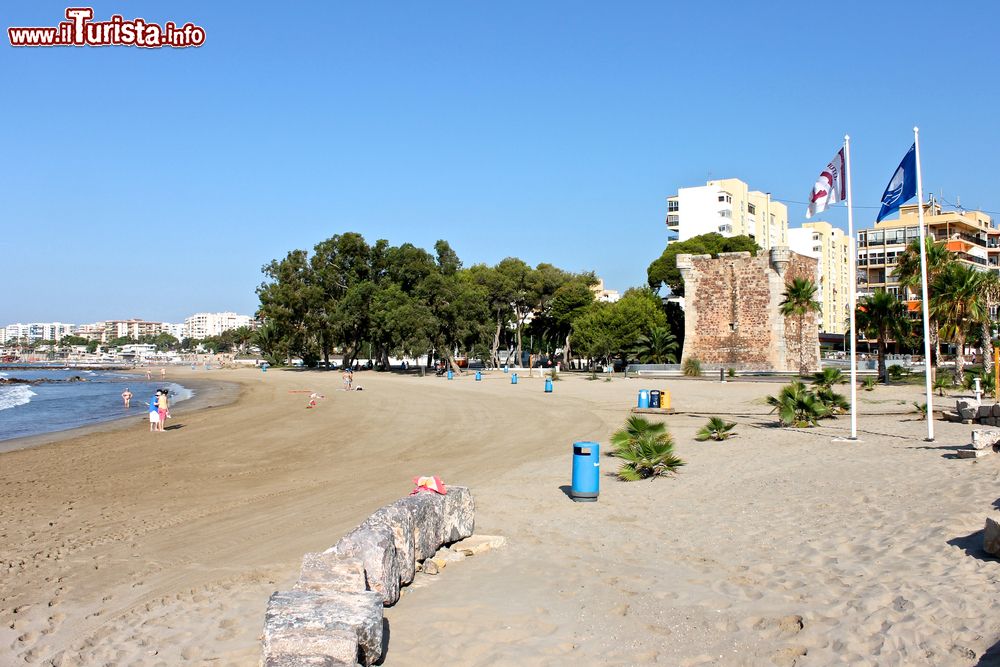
(902, 186)
(830, 187)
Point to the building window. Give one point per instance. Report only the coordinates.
(751, 209)
(817, 248)
(726, 213)
(673, 219)
(673, 205)
(725, 198)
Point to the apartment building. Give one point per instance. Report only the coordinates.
(834, 249)
(970, 235)
(602, 294)
(108, 330)
(728, 207)
(29, 333)
(203, 325)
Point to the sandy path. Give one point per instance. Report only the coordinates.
(780, 547)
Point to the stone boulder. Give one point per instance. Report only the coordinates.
(427, 512)
(345, 627)
(299, 660)
(991, 537)
(400, 522)
(331, 573)
(375, 547)
(964, 410)
(459, 514)
(983, 439)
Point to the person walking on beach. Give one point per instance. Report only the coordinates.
(162, 405)
(154, 414)
(127, 397)
(348, 378)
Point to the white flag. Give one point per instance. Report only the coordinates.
(830, 187)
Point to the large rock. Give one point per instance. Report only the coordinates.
(331, 573)
(340, 626)
(459, 514)
(983, 439)
(964, 410)
(427, 512)
(400, 522)
(479, 544)
(996, 410)
(299, 660)
(991, 537)
(375, 547)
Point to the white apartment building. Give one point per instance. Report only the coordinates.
(602, 294)
(728, 207)
(36, 331)
(203, 325)
(178, 331)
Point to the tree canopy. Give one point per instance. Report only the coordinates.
(664, 269)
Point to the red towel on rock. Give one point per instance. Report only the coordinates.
(428, 485)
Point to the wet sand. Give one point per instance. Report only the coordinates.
(777, 547)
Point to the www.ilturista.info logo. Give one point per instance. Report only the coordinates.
(81, 30)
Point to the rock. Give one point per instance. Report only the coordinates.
(991, 537)
(996, 410)
(984, 412)
(981, 439)
(400, 522)
(446, 555)
(331, 573)
(460, 514)
(375, 547)
(478, 544)
(964, 410)
(427, 512)
(430, 567)
(341, 626)
(971, 453)
(295, 660)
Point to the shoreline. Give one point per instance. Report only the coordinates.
(207, 393)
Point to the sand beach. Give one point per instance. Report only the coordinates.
(779, 547)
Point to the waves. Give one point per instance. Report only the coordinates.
(11, 397)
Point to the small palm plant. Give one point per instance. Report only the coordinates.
(869, 384)
(691, 367)
(646, 450)
(797, 406)
(716, 429)
(920, 408)
(835, 403)
(942, 383)
(828, 377)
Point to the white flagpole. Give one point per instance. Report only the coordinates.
(925, 304)
(852, 276)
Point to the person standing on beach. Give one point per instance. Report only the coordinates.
(154, 414)
(162, 404)
(348, 378)
(163, 373)
(127, 397)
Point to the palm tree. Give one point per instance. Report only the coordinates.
(991, 299)
(942, 383)
(958, 304)
(716, 429)
(800, 300)
(882, 316)
(242, 337)
(659, 346)
(828, 377)
(646, 450)
(834, 402)
(797, 406)
(908, 274)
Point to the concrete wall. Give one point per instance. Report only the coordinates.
(731, 311)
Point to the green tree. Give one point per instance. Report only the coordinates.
(800, 300)
(664, 269)
(657, 346)
(883, 317)
(907, 272)
(958, 304)
(608, 330)
(569, 303)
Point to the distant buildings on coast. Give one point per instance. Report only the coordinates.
(197, 326)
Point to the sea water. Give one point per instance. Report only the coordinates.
(62, 403)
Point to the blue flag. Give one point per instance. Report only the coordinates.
(902, 186)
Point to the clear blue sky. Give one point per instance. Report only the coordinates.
(155, 183)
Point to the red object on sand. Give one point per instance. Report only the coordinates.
(429, 485)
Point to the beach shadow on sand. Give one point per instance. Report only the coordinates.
(991, 658)
(972, 545)
(385, 641)
(174, 427)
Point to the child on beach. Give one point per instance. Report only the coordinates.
(154, 414)
(162, 405)
(348, 378)
(127, 397)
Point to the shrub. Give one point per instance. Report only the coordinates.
(646, 450)
(920, 408)
(731, 372)
(691, 367)
(943, 382)
(836, 403)
(554, 374)
(897, 372)
(828, 377)
(716, 429)
(869, 384)
(797, 406)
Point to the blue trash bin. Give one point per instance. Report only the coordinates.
(505, 369)
(451, 374)
(643, 398)
(586, 472)
(513, 378)
(479, 376)
(548, 385)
